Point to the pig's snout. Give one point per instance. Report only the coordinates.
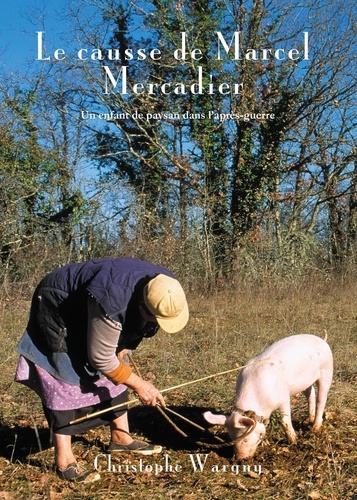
(247, 447)
(242, 455)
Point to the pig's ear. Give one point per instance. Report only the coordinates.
(242, 422)
(215, 419)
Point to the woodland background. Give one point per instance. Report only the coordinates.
(234, 200)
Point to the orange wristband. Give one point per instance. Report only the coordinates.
(120, 374)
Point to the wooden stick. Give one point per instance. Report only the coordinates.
(37, 434)
(136, 368)
(158, 406)
(184, 418)
(137, 400)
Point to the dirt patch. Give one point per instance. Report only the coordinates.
(320, 466)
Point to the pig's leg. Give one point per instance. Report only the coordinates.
(286, 420)
(311, 399)
(323, 385)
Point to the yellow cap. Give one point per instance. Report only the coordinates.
(166, 300)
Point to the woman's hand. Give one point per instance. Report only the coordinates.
(146, 391)
(122, 354)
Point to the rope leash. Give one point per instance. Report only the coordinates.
(221, 443)
(137, 400)
(163, 413)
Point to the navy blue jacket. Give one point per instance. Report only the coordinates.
(58, 316)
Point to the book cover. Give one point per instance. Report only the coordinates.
(216, 138)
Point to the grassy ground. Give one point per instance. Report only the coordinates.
(225, 330)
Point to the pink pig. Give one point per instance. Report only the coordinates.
(289, 366)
